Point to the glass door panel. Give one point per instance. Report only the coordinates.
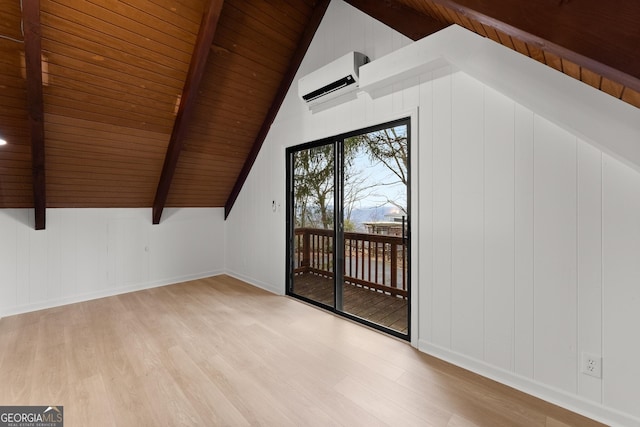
(375, 217)
(313, 183)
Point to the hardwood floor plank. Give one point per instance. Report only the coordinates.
(19, 360)
(218, 351)
(206, 398)
(255, 402)
(89, 408)
(457, 421)
(378, 405)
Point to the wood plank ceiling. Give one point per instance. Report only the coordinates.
(113, 76)
(115, 72)
(590, 40)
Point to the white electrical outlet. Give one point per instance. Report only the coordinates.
(592, 365)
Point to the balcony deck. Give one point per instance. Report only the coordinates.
(386, 310)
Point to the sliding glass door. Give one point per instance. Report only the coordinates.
(348, 225)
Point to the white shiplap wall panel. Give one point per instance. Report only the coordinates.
(621, 285)
(56, 257)
(425, 256)
(92, 246)
(467, 216)
(523, 240)
(53, 269)
(8, 257)
(499, 229)
(23, 261)
(38, 267)
(260, 258)
(67, 239)
(554, 256)
(129, 262)
(360, 30)
(589, 259)
(441, 293)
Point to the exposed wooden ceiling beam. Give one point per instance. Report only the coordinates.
(285, 84)
(401, 18)
(597, 35)
(187, 103)
(35, 105)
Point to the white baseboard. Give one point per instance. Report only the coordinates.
(558, 397)
(103, 293)
(255, 282)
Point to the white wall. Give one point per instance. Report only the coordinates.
(528, 241)
(91, 253)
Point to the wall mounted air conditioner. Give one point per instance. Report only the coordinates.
(335, 79)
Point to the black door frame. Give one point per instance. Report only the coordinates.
(338, 221)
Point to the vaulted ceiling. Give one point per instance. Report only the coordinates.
(154, 103)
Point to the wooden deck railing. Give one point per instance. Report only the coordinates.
(373, 261)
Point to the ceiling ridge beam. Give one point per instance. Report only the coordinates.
(400, 17)
(591, 64)
(187, 103)
(301, 50)
(35, 106)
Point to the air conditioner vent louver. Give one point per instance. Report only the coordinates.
(344, 82)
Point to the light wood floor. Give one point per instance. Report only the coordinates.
(220, 352)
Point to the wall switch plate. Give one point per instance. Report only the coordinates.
(592, 365)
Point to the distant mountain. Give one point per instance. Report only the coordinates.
(358, 216)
